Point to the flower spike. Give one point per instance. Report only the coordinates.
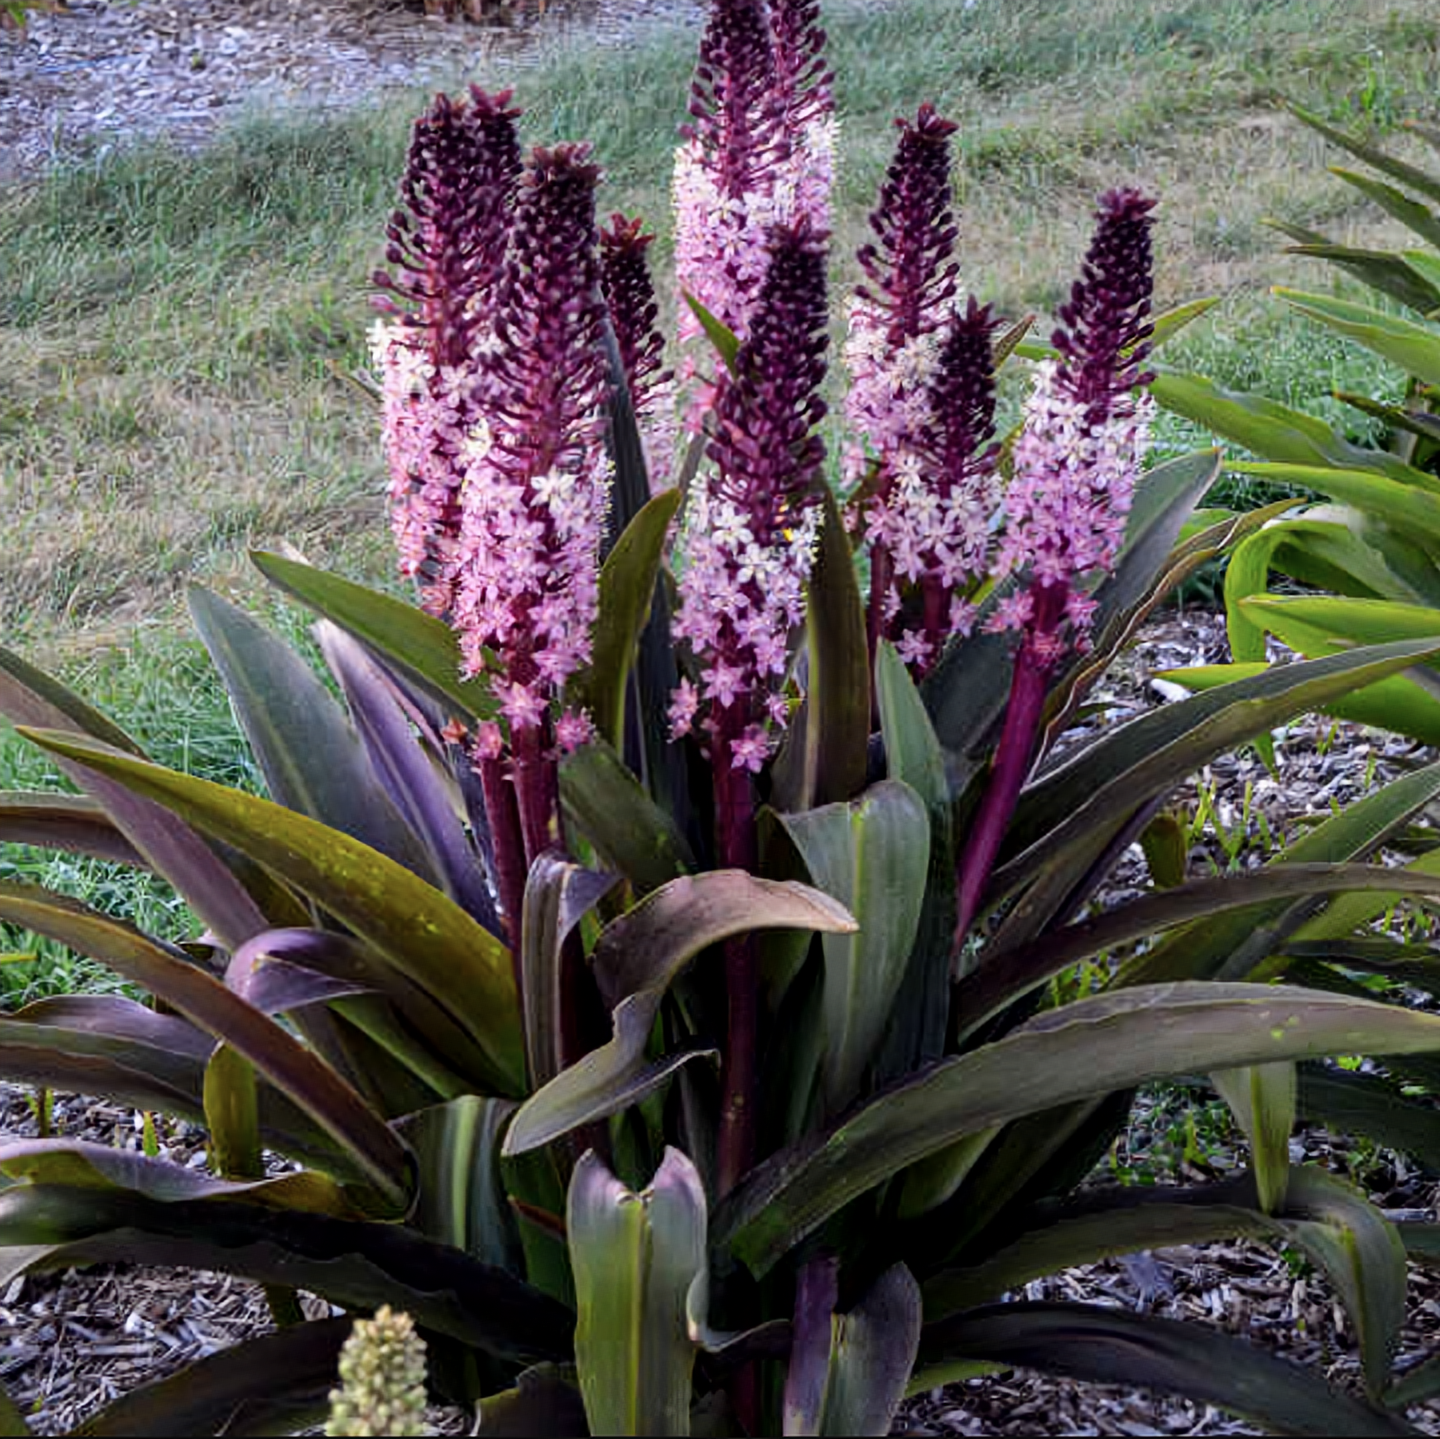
(447, 242)
(750, 529)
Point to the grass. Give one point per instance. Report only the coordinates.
(178, 330)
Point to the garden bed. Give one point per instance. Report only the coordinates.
(73, 1342)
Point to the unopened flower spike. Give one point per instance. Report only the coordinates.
(382, 1379)
(804, 95)
(750, 527)
(447, 243)
(630, 296)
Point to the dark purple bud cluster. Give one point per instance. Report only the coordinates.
(1104, 325)
(911, 272)
(550, 313)
(449, 239)
(766, 448)
(733, 102)
(630, 294)
(962, 399)
(803, 81)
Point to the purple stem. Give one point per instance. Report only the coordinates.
(1012, 758)
(503, 813)
(736, 843)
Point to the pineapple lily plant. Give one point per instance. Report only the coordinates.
(649, 969)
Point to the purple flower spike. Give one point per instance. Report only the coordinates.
(448, 243)
(630, 296)
(537, 480)
(804, 95)
(1105, 325)
(750, 529)
(758, 153)
(1084, 436)
(898, 326)
(939, 516)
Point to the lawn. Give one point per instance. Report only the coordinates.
(180, 331)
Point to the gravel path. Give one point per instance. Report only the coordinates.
(76, 83)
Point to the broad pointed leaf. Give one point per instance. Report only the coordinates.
(167, 845)
(417, 644)
(1010, 973)
(306, 748)
(1366, 1105)
(1107, 1346)
(1085, 801)
(873, 856)
(204, 1000)
(1363, 1257)
(72, 822)
(273, 1384)
(1093, 1047)
(635, 1258)
(426, 936)
(1271, 430)
(635, 961)
(558, 895)
(1262, 1099)
(353, 1264)
(873, 1348)
(631, 833)
(627, 588)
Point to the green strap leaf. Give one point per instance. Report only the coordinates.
(460, 1197)
(12, 1421)
(630, 832)
(635, 1258)
(558, 895)
(1414, 347)
(873, 856)
(72, 822)
(837, 723)
(872, 1352)
(1365, 1104)
(102, 1044)
(418, 645)
(724, 339)
(1097, 1228)
(627, 588)
(1363, 1257)
(1262, 1099)
(426, 936)
(1268, 428)
(913, 755)
(1009, 973)
(310, 1083)
(1085, 802)
(80, 1164)
(311, 758)
(168, 846)
(1107, 1346)
(1094, 1047)
(1407, 174)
